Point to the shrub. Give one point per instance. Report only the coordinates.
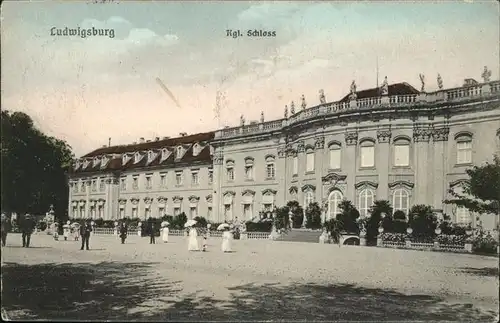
(282, 219)
(333, 227)
(379, 207)
(298, 213)
(313, 215)
(42, 226)
(484, 244)
(201, 222)
(264, 226)
(447, 239)
(393, 237)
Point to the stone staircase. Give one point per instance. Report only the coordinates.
(301, 235)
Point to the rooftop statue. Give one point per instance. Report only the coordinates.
(353, 90)
(286, 111)
(262, 117)
(242, 120)
(384, 90)
(440, 82)
(486, 74)
(303, 104)
(322, 98)
(422, 80)
(292, 108)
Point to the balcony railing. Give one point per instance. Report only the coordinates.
(450, 95)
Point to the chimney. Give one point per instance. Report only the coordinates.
(157, 138)
(104, 146)
(183, 134)
(141, 140)
(148, 140)
(134, 143)
(165, 138)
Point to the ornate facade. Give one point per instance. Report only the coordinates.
(393, 142)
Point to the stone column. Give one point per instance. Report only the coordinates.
(421, 137)
(70, 199)
(281, 172)
(319, 146)
(439, 151)
(383, 163)
(349, 162)
(108, 212)
(218, 177)
(301, 149)
(87, 198)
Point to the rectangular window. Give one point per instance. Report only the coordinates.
(82, 187)
(230, 173)
(295, 164)
(310, 162)
(463, 215)
(401, 155)
(161, 211)
(464, 152)
(135, 182)
(149, 182)
(193, 212)
(177, 211)
(163, 180)
(94, 184)
(228, 212)
(270, 170)
(178, 178)
(210, 176)
(82, 212)
(75, 212)
(368, 156)
(209, 213)
(134, 213)
(122, 213)
(194, 178)
(247, 211)
(75, 187)
(101, 211)
(123, 183)
(102, 186)
(147, 213)
(335, 155)
(249, 172)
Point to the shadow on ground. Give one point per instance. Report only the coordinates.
(134, 292)
(486, 271)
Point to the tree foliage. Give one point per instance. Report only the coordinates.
(348, 217)
(481, 193)
(298, 213)
(422, 220)
(35, 167)
(313, 215)
(373, 223)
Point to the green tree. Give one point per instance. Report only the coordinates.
(313, 215)
(481, 193)
(422, 221)
(373, 223)
(348, 217)
(36, 168)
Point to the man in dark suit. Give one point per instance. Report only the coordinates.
(5, 228)
(27, 227)
(123, 231)
(85, 230)
(152, 231)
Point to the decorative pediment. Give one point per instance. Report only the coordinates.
(308, 187)
(293, 190)
(301, 147)
(384, 136)
(332, 178)
(269, 191)
(458, 183)
(248, 192)
(177, 199)
(366, 184)
(351, 138)
(209, 198)
(148, 200)
(194, 199)
(162, 199)
(134, 201)
(309, 148)
(319, 142)
(405, 184)
(122, 201)
(231, 193)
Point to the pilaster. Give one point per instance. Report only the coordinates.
(421, 137)
(87, 198)
(319, 146)
(350, 163)
(281, 172)
(217, 186)
(383, 163)
(439, 152)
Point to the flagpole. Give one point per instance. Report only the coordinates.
(377, 70)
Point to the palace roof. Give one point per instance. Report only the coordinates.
(394, 89)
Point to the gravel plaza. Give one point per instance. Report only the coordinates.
(260, 280)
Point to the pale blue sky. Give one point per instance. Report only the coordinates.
(86, 90)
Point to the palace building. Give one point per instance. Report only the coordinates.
(394, 142)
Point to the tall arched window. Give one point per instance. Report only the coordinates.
(464, 148)
(310, 160)
(401, 200)
(401, 152)
(270, 167)
(366, 198)
(463, 216)
(308, 199)
(334, 199)
(367, 151)
(335, 156)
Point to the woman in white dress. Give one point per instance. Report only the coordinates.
(193, 240)
(164, 234)
(227, 238)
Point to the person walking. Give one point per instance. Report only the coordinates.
(123, 231)
(5, 228)
(85, 230)
(27, 227)
(152, 229)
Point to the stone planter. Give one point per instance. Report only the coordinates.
(379, 242)
(468, 247)
(408, 243)
(362, 241)
(244, 236)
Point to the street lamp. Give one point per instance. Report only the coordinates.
(290, 215)
(437, 231)
(409, 230)
(380, 230)
(468, 231)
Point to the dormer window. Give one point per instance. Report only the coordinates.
(178, 152)
(212, 150)
(137, 157)
(151, 156)
(86, 163)
(124, 159)
(77, 164)
(164, 154)
(104, 161)
(95, 161)
(196, 149)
